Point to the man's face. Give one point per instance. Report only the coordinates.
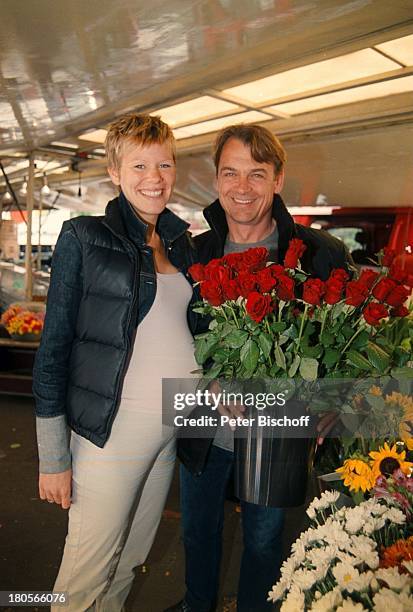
(246, 187)
(146, 175)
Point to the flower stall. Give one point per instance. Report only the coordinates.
(352, 331)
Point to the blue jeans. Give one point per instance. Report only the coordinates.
(202, 505)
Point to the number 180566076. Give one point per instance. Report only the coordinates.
(30, 598)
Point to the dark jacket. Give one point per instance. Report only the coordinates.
(324, 252)
(103, 283)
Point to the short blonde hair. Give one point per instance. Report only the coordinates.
(264, 146)
(139, 128)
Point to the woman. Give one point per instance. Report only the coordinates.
(116, 320)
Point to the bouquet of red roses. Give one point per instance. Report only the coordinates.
(273, 320)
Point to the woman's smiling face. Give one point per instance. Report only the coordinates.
(146, 175)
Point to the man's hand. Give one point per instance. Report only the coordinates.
(231, 411)
(56, 488)
(325, 424)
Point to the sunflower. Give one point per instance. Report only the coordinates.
(386, 460)
(394, 555)
(357, 475)
(406, 424)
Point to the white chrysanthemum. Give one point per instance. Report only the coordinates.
(277, 591)
(364, 549)
(347, 576)
(330, 497)
(386, 599)
(318, 556)
(299, 552)
(348, 559)
(294, 601)
(392, 577)
(288, 568)
(409, 566)
(394, 515)
(348, 605)
(338, 536)
(327, 499)
(373, 524)
(304, 579)
(327, 602)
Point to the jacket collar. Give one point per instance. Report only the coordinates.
(215, 215)
(121, 218)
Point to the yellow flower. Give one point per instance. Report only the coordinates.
(357, 475)
(386, 460)
(374, 390)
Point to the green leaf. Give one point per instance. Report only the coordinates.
(214, 371)
(278, 327)
(309, 368)
(347, 331)
(331, 357)
(378, 357)
(402, 373)
(361, 340)
(249, 355)
(311, 351)
(237, 338)
(294, 366)
(327, 338)
(357, 360)
(265, 342)
(283, 339)
(221, 355)
(291, 332)
(205, 347)
(279, 357)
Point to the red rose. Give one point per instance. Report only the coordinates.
(295, 250)
(397, 296)
(373, 312)
(258, 306)
(212, 292)
(234, 261)
(313, 290)
(334, 291)
(397, 274)
(276, 270)
(356, 293)
(221, 274)
(399, 311)
(197, 271)
(339, 274)
(383, 288)
(388, 256)
(285, 288)
(231, 290)
(266, 281)
(247, 282)
(368, 277)
(255, 259)
(211, 267)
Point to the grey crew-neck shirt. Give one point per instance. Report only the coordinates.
(224, 437)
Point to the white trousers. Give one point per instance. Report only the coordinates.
(119, 492)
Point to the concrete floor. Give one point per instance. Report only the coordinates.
(32, 532)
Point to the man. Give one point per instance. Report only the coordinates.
(249, 163)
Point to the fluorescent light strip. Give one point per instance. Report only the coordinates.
(94, 136)
(347, 96)
(401, 49)
(349, 67)
(68, 145)
(217, 124)
(203, 107)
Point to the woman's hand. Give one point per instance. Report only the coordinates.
(56, 488)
